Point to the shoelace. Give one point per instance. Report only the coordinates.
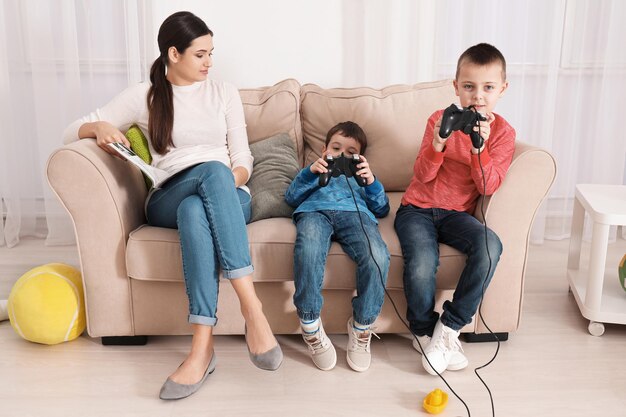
(361, 341)
(448, 343)
(316, 341)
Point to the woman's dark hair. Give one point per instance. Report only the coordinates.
(178, 30)
(349, 130)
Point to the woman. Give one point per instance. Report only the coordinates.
(197, 133)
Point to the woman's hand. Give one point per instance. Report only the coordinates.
(105, 133)
(241, 176)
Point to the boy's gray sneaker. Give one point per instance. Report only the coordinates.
(358, 352)
(321, 349)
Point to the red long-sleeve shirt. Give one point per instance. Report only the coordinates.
(452, 179)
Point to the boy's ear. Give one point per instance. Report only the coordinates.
(505, 85)
(456, 87)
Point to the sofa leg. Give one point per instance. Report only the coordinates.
(124, 340)
(484, 337)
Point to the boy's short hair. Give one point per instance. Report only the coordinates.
(349, 130)
(482, 54)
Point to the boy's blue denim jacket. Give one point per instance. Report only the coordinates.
(306, 195)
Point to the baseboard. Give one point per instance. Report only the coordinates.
(484, 337)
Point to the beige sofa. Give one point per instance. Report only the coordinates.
(132, 272)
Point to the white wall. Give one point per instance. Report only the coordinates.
(262, 42)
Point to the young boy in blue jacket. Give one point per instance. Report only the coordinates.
(326, 214)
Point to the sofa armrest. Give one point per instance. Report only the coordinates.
(510, 213)
(105, 197)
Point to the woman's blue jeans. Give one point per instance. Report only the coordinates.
(315, 231)
(420, 230)
(210, 214)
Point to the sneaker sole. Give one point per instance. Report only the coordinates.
(429, 370)
(458, 366)
(331, 366)
(355, 367)
(326, 369)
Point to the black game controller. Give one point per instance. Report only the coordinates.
(342, 165)
(464, 119)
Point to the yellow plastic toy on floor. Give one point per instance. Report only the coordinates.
(435, 401)
(46, 304)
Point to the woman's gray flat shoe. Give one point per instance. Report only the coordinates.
(174, 391)
(268, 361)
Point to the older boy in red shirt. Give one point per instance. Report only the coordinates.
(437, 206)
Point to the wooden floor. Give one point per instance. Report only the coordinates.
(550, 367)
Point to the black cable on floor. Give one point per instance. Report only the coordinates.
(380, 274)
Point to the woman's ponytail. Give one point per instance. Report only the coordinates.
(160, 108)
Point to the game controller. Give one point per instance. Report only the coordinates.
(342, 165)
(464, 119)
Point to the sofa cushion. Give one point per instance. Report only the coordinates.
(273, 110)
(275, 166)
(153, 254)
(393, 119)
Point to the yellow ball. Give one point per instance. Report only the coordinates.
(46, 304)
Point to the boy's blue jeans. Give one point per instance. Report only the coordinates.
(210, 214)
(420, 230)
(315, 230)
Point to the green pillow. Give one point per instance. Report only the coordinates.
(275, 166)
(139, 145)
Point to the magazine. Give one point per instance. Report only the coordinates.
(155, 175)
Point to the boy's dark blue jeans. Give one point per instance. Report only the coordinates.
(420, 231)
(315, 232)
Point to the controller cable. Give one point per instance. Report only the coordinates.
(482, 210)
(480, 306)
(369, 243)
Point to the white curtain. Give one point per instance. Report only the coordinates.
(566, 64)
(57, 60)
(60, 59)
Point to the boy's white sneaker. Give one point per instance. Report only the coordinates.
(358, 351)
(443, 347)
(321, 348)
(457, 362)
(424, 341)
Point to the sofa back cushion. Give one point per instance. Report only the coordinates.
(273, 110)
(393, 119)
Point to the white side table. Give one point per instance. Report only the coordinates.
(600, 301)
